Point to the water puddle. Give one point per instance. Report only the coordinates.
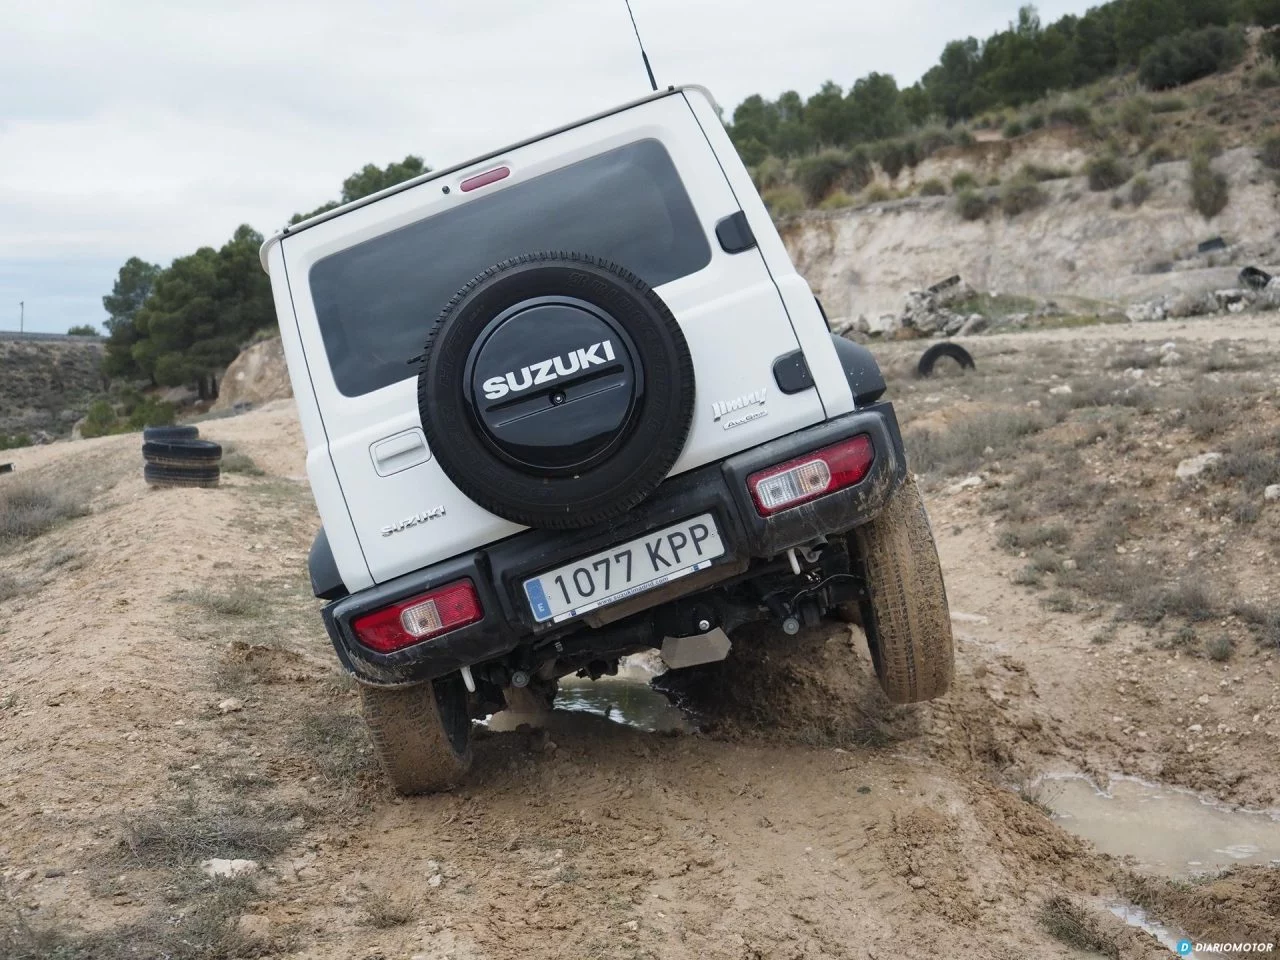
(1169, 831)
(1168, 937)
(627, 698)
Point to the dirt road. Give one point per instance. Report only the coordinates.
(168, 696)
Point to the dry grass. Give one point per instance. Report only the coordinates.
(338, 745)
(10, 587)
(962, 446)
(28, 509)
(1069, 922)
(238, 600)
(383, 913)
(190, 832)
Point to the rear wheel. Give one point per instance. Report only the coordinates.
(905, 613)
(421, 733)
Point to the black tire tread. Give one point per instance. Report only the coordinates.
(907, 620)
(944, 349)
(408, 731)
(581, 516)
(201, 451)
(181, 431)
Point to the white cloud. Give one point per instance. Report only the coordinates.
(148, 128)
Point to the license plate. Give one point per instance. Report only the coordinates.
(625, 570)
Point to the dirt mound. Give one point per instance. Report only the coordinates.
(257, 376)
(1243, 905)
(817, 687)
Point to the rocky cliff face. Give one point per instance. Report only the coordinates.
(46, 386)
(1077, 246)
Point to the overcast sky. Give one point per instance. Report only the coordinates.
(152, 128)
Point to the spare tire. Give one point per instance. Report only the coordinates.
(945, 349)
(184, 431)
(556, 390)
(181, 452)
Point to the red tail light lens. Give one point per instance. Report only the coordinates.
(814, 475)
(419, 618)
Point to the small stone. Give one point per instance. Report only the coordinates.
(1033, 404)
(55, 872)
(1068, 564)
(631, 925)
(1195, 728)
(1170, 359)
(435, 880)
(917, 883)
(1193, 467)
(968, 483)
(1202, 699)
(1272, 493)
(254, 927)
(229, 868)
(1061, 390)
(231, 705)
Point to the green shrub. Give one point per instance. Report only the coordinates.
(784, 201)
(1209, 190)
(1071, 114)
(821, 173)
(1139, 190)
(1206, 144)
(83, 330)
(970, 204)
(100, 420)
(1269, 45)
(1136, 117)
(1032, 171)
(836, 200)
(15, 441)
(1266, 78)
(933, 187)
(1020, 195)
(963, 138)
(1107, 172)
(964, 180)
(149, 412)
(1190, 55)
(768, 173)
(1270, 152)
(877, 194)
(1035, 121)
(892, 157)
(1160, 153)
(1168, 105)
(1013, 129)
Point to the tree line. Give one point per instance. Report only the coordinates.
(182, 324)
(1168, 41)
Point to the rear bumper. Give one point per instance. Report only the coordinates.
(500, 569)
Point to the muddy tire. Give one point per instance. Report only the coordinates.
(905, 613)
(421, 733)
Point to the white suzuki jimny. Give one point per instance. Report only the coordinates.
(570, 399)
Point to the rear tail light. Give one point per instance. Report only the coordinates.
(419, 618)
(811, 476)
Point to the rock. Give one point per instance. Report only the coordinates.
(975, 324)
(54, 872)
(968, 483)
(1193, 467)
(631, 925)
(1170, 359)
(1202, 699)
(1195, 728)
(1061, 390)
(229, 868)
(1168, 346)
(435, 880)
(257, 376)
(1183, 305)
(1147, 312)
(1272, 493)
(918, 883)
(231, 705)
(254, 927)
(1033, 404)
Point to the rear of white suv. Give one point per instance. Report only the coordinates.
(596, 333)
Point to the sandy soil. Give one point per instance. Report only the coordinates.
(867, 833)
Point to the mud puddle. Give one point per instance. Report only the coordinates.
(1169, 831)
(626, 699)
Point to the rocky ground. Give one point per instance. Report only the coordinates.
(167, 696)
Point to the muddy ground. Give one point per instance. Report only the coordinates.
(1110, 619)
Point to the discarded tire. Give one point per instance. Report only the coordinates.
(173, 432)
(159, 475)
(182, 452)
(1254, 279)
(931, 356)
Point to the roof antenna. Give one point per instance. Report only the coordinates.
(643, 56)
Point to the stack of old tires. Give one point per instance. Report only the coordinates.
(177, 457)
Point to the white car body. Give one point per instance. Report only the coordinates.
(386, 505)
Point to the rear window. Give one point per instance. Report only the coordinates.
(375, 300)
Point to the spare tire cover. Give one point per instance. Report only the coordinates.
(556, 390)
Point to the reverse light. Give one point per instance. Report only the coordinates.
(814, 475)
(419, 618)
